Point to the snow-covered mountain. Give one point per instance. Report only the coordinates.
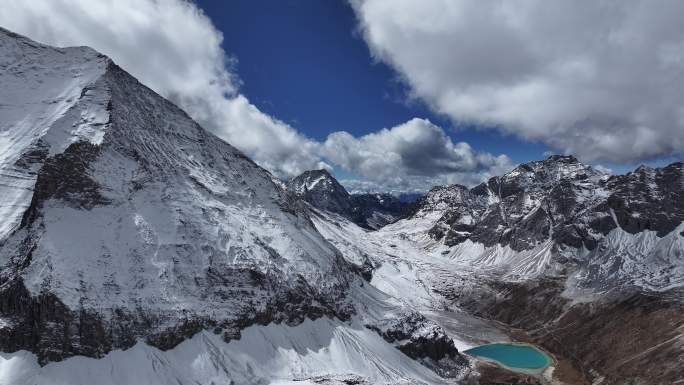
(545, 217)
(322, 190)
(369, 210)
(128, 226)
(127, 220)
(576, 258)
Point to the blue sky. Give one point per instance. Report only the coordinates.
(303, 62)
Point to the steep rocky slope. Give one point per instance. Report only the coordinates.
(548, 217)
(128, 220)
(322, 190)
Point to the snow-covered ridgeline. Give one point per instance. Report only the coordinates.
(45, 106)
(643, 259)
(273, 354)
(137, 223)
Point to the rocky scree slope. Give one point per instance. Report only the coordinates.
(324, 192)
(124, 220)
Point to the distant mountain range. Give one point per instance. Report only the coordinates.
(574, 209)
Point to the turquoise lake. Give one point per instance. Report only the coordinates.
(513, 355)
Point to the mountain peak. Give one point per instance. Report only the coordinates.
(536, 201)
(545, 173)
(16, 49)
(322, 172)
(322, 190)
(58, 98)
(316, 180)
(129, 201)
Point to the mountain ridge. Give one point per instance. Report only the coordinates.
(556, 193)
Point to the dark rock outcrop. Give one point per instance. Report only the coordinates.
(321, 190)
(425, 341)
(46, 327)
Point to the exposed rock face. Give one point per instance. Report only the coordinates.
(648, 199)
(128, 221)
(518, 209)
(324, 192)
(559, 215)
(558, 198)
(349, 379)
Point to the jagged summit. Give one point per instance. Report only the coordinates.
(562, 203)
(532, 177)
(559, 195)
(48, 102)
(310, 179)
(441, 198)
(322, 190)
(543, 174)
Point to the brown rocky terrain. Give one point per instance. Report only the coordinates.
(632, 337)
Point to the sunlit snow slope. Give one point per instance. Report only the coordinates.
(127, 220)
(45, 106)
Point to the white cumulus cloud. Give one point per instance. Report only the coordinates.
(412, 156)
(600, 79)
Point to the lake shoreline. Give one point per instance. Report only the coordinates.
(529, 371)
